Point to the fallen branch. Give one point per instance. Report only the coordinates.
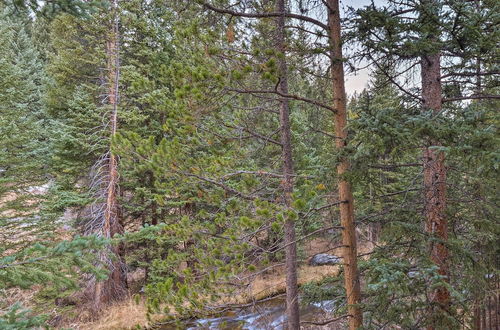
(327, 321)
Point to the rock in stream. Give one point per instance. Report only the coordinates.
(322, 259)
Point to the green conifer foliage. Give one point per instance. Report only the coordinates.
(31, 249)
(400, 33)
(23, 127)
(199, 153)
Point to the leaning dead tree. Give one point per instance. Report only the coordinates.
(104, 211)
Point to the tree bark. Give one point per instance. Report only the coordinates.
(115, 286)
(292, 301)
(352, 285)
(435, 174)
(435, 179)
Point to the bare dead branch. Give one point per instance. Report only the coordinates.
(472, 97)
(327, 321)
(289, 96)
(266, 15)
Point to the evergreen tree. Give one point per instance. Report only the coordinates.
(33, 250)
(436, 122)
(23, 129)
(82, 89)
(208, 143)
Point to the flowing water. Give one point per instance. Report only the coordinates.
(262, 316)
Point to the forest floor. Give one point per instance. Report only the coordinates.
(128, 313)
(261, 284)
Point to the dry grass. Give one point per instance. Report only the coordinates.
(273, 284)
(13, 295)
(124, 315)
(128, 314)
(269, 284)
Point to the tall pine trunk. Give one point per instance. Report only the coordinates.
(434, 170)
(351, 277)
(115, 286)
(292, 301)
(435, 179)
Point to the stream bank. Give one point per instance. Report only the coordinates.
(263, 316)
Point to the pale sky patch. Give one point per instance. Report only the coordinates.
(356, 82)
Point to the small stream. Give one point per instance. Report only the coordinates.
(262, 316)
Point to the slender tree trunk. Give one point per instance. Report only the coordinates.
(292, 297)
(115, 286)
(476, 318)
(352, 284)
(434, 169)
(435, 179)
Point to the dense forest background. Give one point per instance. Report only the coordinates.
(185, 158)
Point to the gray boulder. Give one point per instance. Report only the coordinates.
(324, 259)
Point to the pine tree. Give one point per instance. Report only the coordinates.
(23, 130)
(351, 277)
(292, 300)
(193, 140)
(442, 56)
(106, 218)
(90, 182)
(33, 249)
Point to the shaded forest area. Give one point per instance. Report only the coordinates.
(167, 161)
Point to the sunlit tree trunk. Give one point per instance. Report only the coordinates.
(351, 276)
